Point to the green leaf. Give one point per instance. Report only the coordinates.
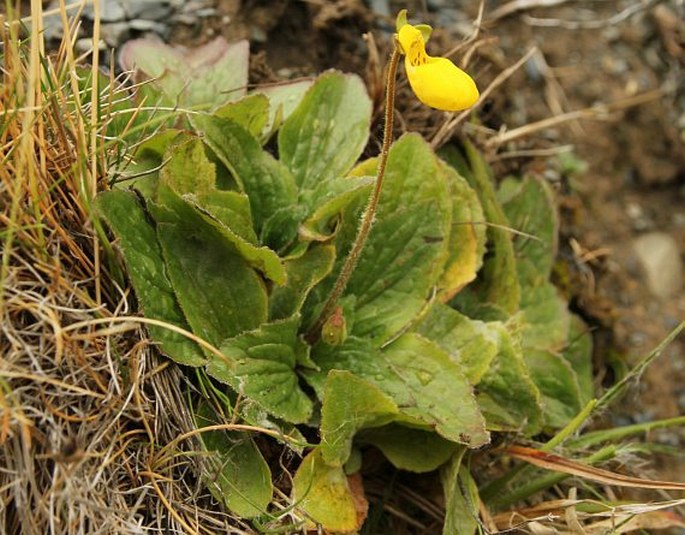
(147, 162)
(281, 229)
(350, 404)
(506, 394)
(187, 169)
(467, 236)
(323, 493)
(199, 260)
(326, 134)
(497, 286)
(423, 381)
(330, 202)
(546, 318)
(415, 450)
(267, 183)
(407, 248)
(578, 354)
(558, 386)
(283, 100)
(461, 498)
(472, 343)
(230, 212)
(234, 471)
(137, 240)
(208, 75)
(530, 208)
(191, 175)
(216, 210)
(303, 273)
(260, 365)
(250, 112)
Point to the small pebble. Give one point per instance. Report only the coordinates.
(659, 255)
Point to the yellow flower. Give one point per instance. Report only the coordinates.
(437, 82)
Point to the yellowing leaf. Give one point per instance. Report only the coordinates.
(323, 492)
(350, 404)
(467, 236)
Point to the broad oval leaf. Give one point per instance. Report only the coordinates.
(461, 498)
(415, 450)
(408, 245)
(325, 135)
(198, 258)
(506, 394)
(260, 364)
(303, 273)
(471, 343)
(208, 75)
(191, 175)
(496, 293)
(530, 208)
(467, 236)
(137, 240)
(423, 381)
(250, 112)
(349, 404)
(558, 385)
(268, 183)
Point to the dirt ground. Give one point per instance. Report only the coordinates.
(624, 59)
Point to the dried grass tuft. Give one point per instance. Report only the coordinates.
(83, 412)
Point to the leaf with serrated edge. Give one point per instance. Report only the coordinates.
(408, 245)
(260, 365)
(471, 343)
(303, 273)
(137, 240)
(198, 258)
(427, 386)
(326, 134)
(350, 404)
(266, 181)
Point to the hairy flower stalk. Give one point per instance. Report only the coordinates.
(438, 83)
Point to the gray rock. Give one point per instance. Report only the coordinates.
(659, 255)
(148, 9)
(115, 33)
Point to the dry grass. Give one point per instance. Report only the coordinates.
(83, 412)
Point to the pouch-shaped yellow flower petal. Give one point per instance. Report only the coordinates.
(437, 82)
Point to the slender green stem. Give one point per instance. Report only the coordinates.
(498, 486)
(369, 213)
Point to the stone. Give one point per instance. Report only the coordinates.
(115, 33)
(659, 255)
